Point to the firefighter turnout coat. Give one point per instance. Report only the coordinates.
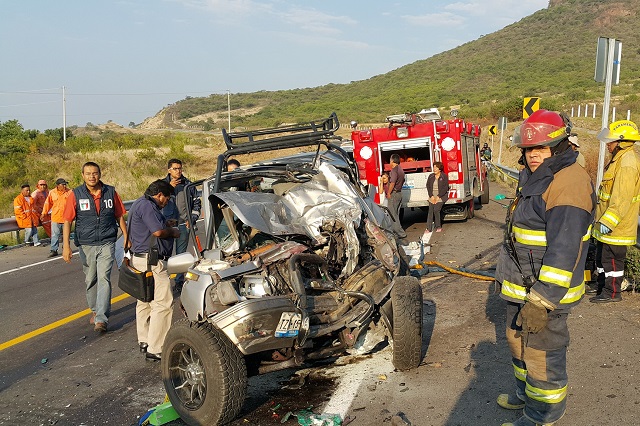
(547, 236)
(619, 198)
(26, 215)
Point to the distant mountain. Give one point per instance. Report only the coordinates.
(549, 54)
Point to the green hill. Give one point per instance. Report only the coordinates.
(550, 54)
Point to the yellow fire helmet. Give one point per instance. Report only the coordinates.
(623, 131)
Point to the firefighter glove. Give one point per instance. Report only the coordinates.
(532, 317)
(604, 229)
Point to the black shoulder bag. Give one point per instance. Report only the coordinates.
(139, 284)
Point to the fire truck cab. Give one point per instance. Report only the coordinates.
(420, 140)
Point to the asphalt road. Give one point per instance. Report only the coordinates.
(69, 375)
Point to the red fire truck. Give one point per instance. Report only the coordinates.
(420, 140)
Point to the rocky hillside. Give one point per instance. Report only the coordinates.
(550, 54)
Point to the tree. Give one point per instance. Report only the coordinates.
(12, 129)
(57, 134)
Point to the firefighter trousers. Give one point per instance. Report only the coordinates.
(540, 365)
(610, 267)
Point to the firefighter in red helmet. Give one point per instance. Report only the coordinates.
(541, 265)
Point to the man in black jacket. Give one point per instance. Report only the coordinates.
(178, 209)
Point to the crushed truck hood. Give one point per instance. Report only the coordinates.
(303, 208)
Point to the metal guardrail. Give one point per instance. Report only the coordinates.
(505, 171)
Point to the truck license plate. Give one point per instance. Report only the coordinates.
(289, 325)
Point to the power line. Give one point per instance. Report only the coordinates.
(89, 114)
(32, 103)
(68, 93)
(32, 92)
(135, 94)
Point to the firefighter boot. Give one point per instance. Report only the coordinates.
(524, 421)
(510, 402)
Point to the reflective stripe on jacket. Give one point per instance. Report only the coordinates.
(550, 232)
(619, 199)
(26, 215)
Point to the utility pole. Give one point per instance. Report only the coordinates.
(229, 108)
(64, 118)
(611, 49)
(502, 125)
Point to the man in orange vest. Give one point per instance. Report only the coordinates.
(26, 215)
(39, 196)
(54, 207)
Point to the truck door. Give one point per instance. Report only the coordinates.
(468, 163)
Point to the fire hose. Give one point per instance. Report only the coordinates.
(458, 271)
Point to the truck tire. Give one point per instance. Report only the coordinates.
(406, 304)
(484, 198)
(470, 209)
(204, 374)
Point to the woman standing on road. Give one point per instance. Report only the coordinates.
(438, 189)
(541, 265)
(383, 188)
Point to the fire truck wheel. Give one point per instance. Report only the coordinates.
(470, 209)
(484, 198)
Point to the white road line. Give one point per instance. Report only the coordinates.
(53, 259)
(353, 377)
(343, 397)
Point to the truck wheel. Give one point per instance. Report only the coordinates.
(204, 374)
(406, 304)
(470, 209)
(484, 198)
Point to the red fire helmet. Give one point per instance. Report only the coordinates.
(542, 128)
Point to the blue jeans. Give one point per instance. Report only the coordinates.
(56, 230)
(97, 262)
(181, 247)
(29, 233)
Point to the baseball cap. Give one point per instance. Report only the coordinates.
(42, 182)
(61, 181)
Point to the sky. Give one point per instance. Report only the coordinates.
(125, 60)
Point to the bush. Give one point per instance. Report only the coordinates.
(632, 266)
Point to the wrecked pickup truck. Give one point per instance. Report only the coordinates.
(295, 263)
